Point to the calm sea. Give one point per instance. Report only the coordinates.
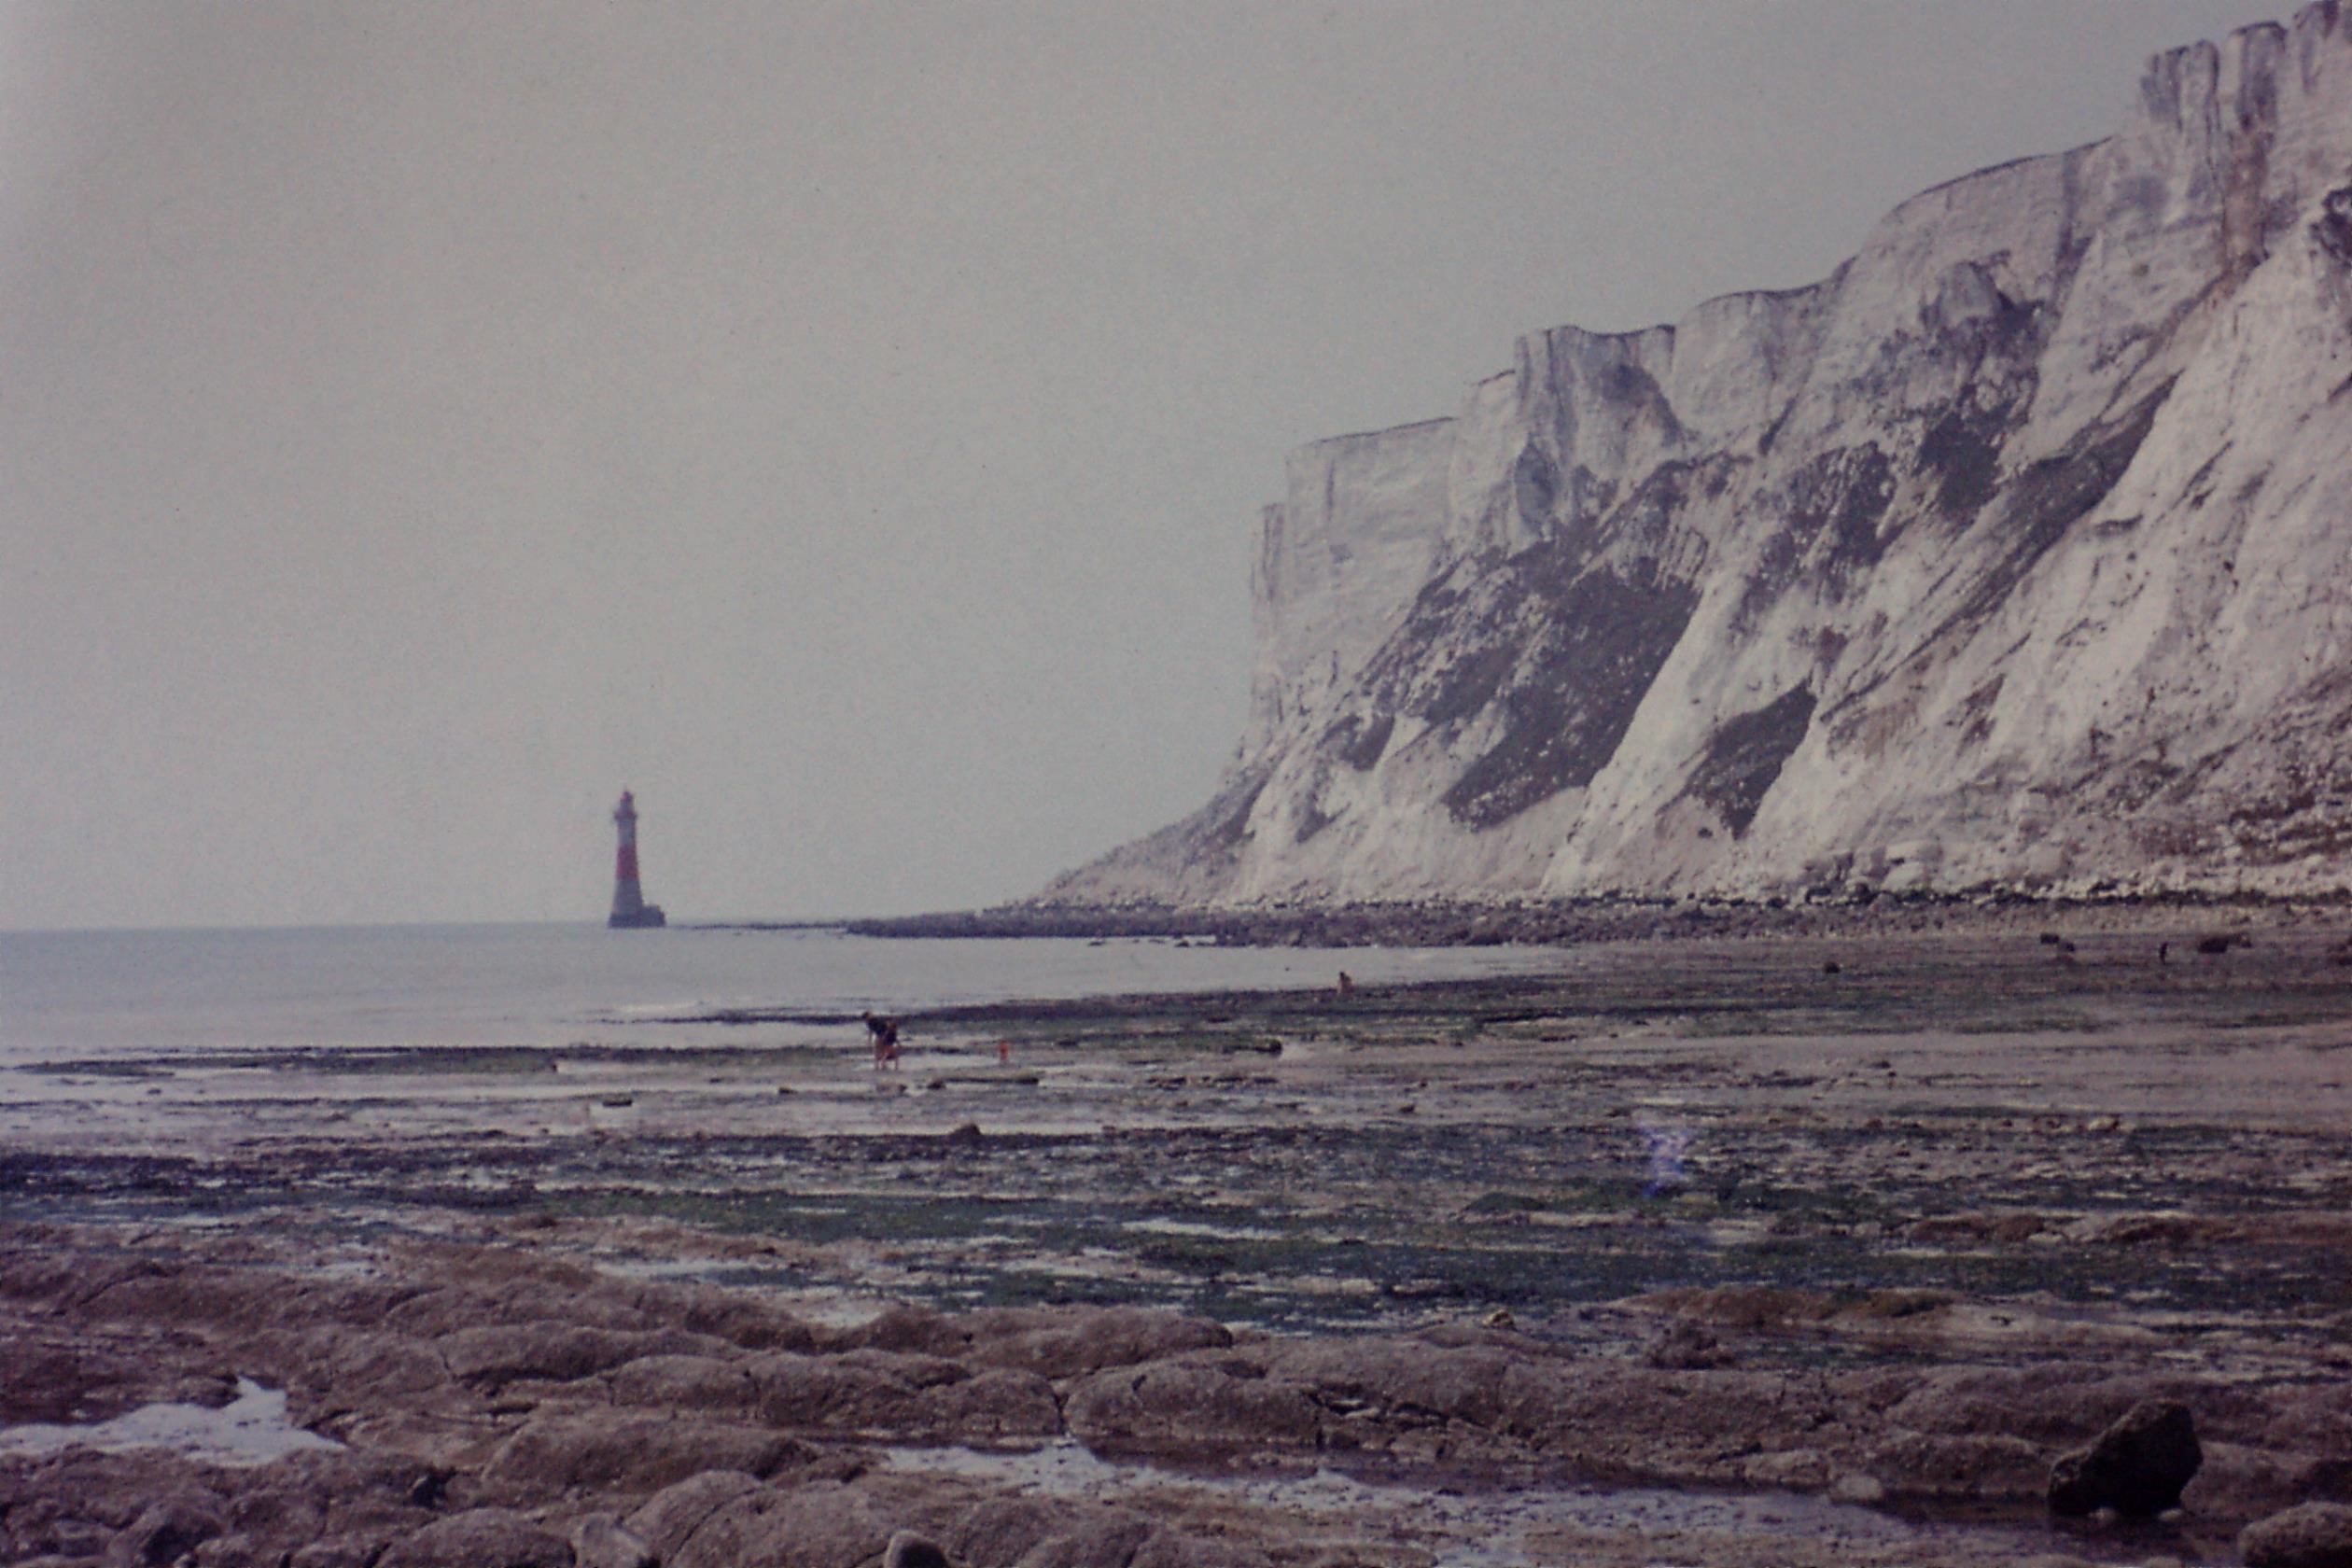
(100, 993)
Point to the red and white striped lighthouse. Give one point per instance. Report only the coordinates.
(629, 908)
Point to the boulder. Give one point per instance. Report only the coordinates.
(1168, 1549)
(822, 1526)
(1684, 1346)
(740, 1320)
(632, 1451)
(908, 1549)
(480, 1538)
(1956, 1468)
(1191, 1406)
(992, 1407)
(2310, 1535)
(2136, 1466)
(1110, 1538)
(1073, 1341)
(600, 1540)
(833, 1394)
(167, 1530)
(337, 1368)
(710, 1383)
(491, 1357)
(675, 1513)
(351, 1549)
(1002, 1531)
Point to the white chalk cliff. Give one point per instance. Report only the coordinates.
(2017, 553)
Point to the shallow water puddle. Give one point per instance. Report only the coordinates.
(250, 1429)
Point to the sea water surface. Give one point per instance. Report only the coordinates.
(94, 994)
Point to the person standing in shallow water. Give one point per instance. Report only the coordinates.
(884, 1033)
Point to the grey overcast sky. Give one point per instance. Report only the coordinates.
(842, 424)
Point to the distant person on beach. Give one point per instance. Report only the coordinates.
(1347, 984)
(882, 1032)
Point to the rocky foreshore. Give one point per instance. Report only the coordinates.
(1857, 911)
(498, 1407)
(2020, 1244)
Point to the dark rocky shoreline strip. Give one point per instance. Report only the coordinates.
(1856, 911)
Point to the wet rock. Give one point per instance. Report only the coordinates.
(675, 1513)
(2136, 1466)
(1743, 1307)
(2008, 1227)
(600, 1540)
(993, 1406)
(1790, 1470)
(1170, 1549)
(1685, 1346)
(899, 1327)
(740, 1320)
(228, 1551)
(2311, 1536)
(2052, 1405)
(1190, 1406)
(50, 1378)
(908, 1549)
(167, 1530)
(338, 1368)
(632, 1452)
(549, 1352)
(1002, 1531)
(911, 1370)
(706, 1384)
(480, 1538)
(1069, 1343)
(309, 1497)
(823, 1526)
(1958, 1469)
(1890, 1304)
(831, 1394)
(83, 1503)
(353, 1549)
(2242, 1483)
(1110, 1538)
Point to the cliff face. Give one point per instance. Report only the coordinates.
(2019, 550)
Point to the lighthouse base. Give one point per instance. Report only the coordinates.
(639, 919)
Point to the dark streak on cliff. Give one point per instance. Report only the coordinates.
(1359, 742)
(1842, 495)
(1744, 758)
(2054, 495)
(1962, 451)
(1591, 647)
(2031, 513)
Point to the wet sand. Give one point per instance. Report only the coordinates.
(1904, 1213)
